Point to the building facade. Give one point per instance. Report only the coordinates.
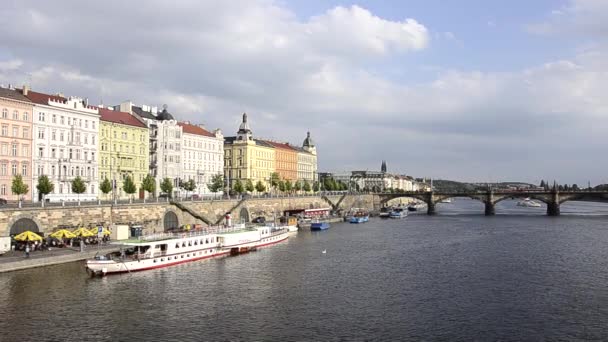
(123, 150)
(286, 161)
(246, 158)
(65, 145)
(307, 161)
(15, 141)
(165, 143)
(202, 155)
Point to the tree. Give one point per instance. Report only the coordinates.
(275, 178)
(575, 187)
(281, 186)
(45, 186)
(190, 185)
(542, 183)
(288, 185)
(167, 187)
(78, 187)
(19, 188)
(249, 186)
(260, 187)
(297, 186)
(306, 186)
(217, 183)
(315, 186)
(149, 184)
(238, 186)
(129, 187)
(105, 186)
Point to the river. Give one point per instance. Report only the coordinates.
(457, 276)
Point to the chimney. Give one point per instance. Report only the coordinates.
(25, 89)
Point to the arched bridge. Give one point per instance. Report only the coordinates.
(552, 198)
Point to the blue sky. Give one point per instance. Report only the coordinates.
(468, 90)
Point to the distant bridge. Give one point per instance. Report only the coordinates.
(552, 198)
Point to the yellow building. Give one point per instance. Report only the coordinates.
(124, 150)
(246, 158)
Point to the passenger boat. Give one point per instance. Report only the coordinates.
(398, 213)
(319, 225)
(446, 200)
(166, 249)
(416, 207)
(359, 217)
(385, 212)
(527, 202)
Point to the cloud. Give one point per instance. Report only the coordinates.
(581, 18)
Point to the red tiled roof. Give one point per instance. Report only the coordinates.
(120, 117)
(41, 98)
(285, 146)
(193, 129)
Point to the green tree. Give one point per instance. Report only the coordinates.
(282, 186)
(316, 186)
(249, 186)
(575, 187)
(148, 185)
(260, 187)
(129, 187)
(306, 186)
(328, 184)
(189, 186)
(275, 178)
(167, 187)
(217, 183)
(78, 187)
(297, 186)
(288, 185)
(45, 186)
(105, 186)
(19, 188)
(542, 183)
(238, 186)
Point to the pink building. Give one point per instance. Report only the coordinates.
(15, 141)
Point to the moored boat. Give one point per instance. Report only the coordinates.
(385, 212)
(166, 249)
(319, 225)
(359, 216)
(398, 213)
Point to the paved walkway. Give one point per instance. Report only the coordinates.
(16, 260)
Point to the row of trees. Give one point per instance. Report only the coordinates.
(561, 187)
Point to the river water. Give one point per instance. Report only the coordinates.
(458, 276)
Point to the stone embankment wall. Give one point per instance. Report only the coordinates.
(151, 215)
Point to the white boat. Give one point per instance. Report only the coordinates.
(167, 249)
(398, 213)
(527, 202)
(446, 200)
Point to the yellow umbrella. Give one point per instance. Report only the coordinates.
(63, 234)
(28, 236)
(105, 231)
(83, 232)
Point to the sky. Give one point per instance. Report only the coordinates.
(469, 90)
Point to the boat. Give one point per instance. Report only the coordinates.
(385, 212)
(398, 213)
(290, 223)
(527, 202)
(416, 206)
(446, 200)
(319, 225)
(167, 249)
(359, 216)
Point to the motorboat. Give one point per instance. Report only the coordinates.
(527, 202)
(398, 213)
(385, 212)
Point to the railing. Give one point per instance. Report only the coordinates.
(196, 233)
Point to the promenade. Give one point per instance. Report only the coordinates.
(16, 260)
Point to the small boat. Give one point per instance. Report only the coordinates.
(446, 200)
(385, 212)
(359, 217)
(527, 202)
(398, 213)
(319, 225)
(415, 207)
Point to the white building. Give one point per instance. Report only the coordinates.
(202, 156)
(307, 161)
(165, 143)
(65, 145)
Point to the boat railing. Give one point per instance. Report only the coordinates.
(195, 233)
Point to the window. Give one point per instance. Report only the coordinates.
(25, 150)
(70, 154)
(53, 153)
(69, 121)
(93, 140)
(14, 150)
(62, 120)
(61, 136)
(86, 139)
(15, 131)
(93, 124)
(86, 123)
(41, 116)
(24, 169)
(54, 118)
(77, 154)
(86, 155)
(14, 169)
(54, 135)
(26, 116)
(3, 169)
(40, 170)
(40, 152)
(26, 132)
(4, 113)
(4, 130)
(53, 170)
(15, 115)
(3, 190)
(77, 137)
(41, 133)
(93, 156)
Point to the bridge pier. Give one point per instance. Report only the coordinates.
(430, 208)
(553, 209)
(489, 209)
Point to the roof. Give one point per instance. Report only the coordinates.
(194, 129)
(13, 94)
(284, 146)
(263, 143)
(42, 98)
(120, 118)
(143, 114)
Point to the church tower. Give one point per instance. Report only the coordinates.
(244, 132)
(309, 145)
(383, 167)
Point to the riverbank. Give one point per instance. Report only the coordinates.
(14, 261)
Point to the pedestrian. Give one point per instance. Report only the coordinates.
(27, 250)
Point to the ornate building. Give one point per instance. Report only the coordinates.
(286, 161)
(65, 132)
(307, 160)
(202, 155)
(124, 149)
(15, 141)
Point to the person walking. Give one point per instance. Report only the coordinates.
(27, 250)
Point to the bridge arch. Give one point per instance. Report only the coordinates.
(244, 215)
(170, 220)
(23, 224)
(514, 196)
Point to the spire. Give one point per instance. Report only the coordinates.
(308, 141)
(244, 132)
(383, 167)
